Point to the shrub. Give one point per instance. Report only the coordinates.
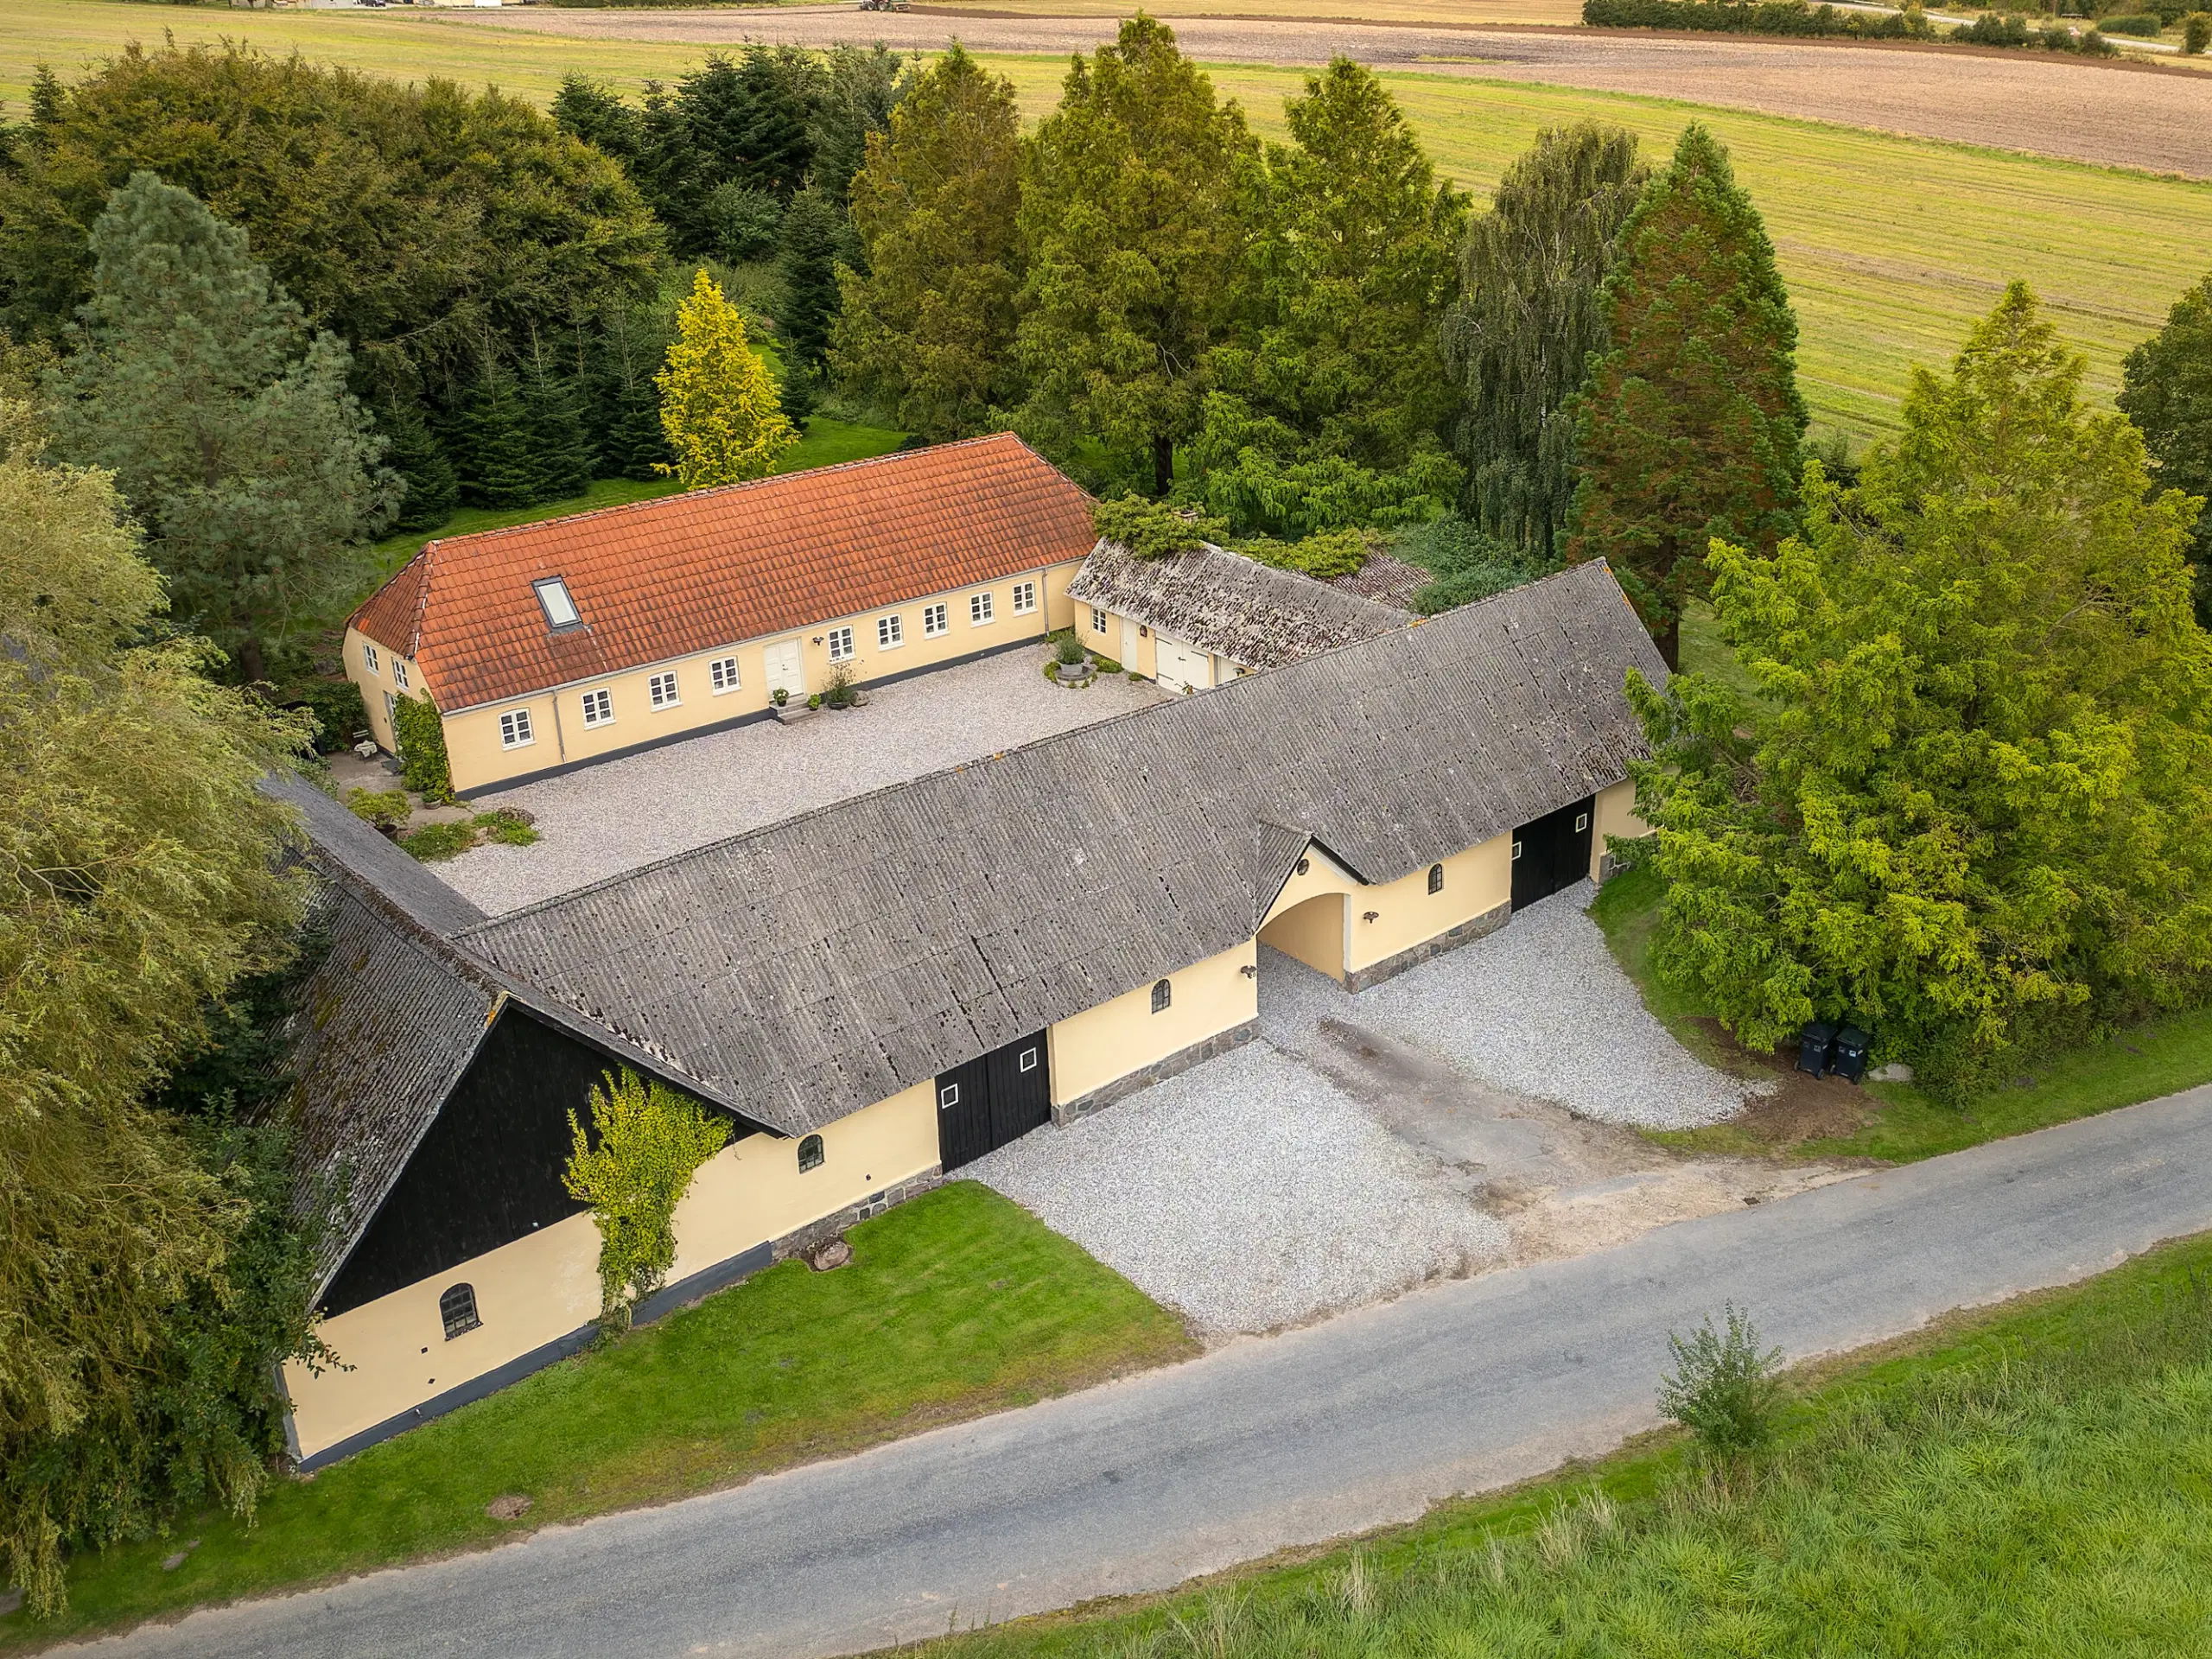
(338, 710)
(2197, 33)
(650, 1141)
(1068, 653)
(2144, 25)
(387, 809)
(1791, 17)
(421, 730)
(1152, 529)
(1325, 558)
(1724, 1388)
(840, 691)
(509, 827)
(434, 841)
(1467, 562)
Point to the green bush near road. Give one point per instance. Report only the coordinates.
(956, 1304)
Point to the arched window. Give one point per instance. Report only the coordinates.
(809, 1154)
(1162, 995)
(1436, 878)
(457, 1307)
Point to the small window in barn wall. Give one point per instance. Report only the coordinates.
(1436, 878)
(809, 1154)
(457, 1307)
(1163, 993)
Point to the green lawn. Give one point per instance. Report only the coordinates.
(956, 1304)
(2032, 1480)
(1891, 246)
(1905, 1123)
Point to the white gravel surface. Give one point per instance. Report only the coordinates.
(611, 817)
(1539, 1008)
(1249, 1193)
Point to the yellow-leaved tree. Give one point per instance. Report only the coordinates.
(718, 401)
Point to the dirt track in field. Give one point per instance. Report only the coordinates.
(2115, 114)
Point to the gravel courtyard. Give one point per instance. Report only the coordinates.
(616, 816)
(1471, 1110)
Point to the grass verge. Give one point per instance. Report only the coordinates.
(1895, 1122)
(957, 1304)
(2033, 1479)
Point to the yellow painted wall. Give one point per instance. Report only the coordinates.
(528, 1294)
(1312, 931)
(539, 1288)
(374, 684)
(1094, 1047)
(1614, 815)
(472, 735)
(1406, 912)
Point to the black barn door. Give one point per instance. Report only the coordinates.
(1553, 853)
(988, 1102)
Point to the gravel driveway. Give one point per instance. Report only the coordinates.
(1249, 1193)
(620, 814)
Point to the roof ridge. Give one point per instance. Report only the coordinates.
(651, 503)
(492, 923)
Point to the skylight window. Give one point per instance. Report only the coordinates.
(560, 610)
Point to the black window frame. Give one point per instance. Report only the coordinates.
(461, 1316)
(1436, 878)
(1163, 995)
(811, 1144)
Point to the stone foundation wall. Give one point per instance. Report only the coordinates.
(1159, 1071)
(1489, 922)
(800, 1241)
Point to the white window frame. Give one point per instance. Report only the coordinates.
(663, 690)
(721, 675)
(1098, 620)
(601, 700)
(982, 610)
(1025, 598)
(890, 632)
(515, 732)
(936, 621)
(399, 673)
(369, 658)
(841, 643)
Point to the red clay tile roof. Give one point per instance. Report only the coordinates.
(662, 579)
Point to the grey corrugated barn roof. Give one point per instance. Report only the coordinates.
(810, 969)
(1232, 606)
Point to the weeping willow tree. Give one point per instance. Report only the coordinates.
(1527, 321)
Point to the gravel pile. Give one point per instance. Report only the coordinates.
(1539, 1007)
(1248, 1194)
(616, 816)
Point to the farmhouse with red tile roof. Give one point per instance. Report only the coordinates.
(553, 644)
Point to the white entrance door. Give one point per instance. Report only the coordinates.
(1130, 637)
(785, 668)
(1182, 669)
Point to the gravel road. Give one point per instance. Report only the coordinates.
(1249, 1193)
(710, 787)
(1262, 1445)
(2117, 114)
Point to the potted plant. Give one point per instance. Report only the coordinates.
(1071, 664)
(840, 692)
(786, 711)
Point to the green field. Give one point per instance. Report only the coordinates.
(1892, 246)
(2033, 1481)
(956, 1304)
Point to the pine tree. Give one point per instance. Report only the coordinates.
(556, 417)
(627, 348)
(1691, 427)
(2166, 390)
(498, 455)
(718, 401)
(1519, 341)
(225, 419)
(927, 317)
(807, 307)
(862, 89)
(433, 490)
(1129, 229)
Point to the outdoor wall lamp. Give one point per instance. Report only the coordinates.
(1372, 915)
(1250, 970)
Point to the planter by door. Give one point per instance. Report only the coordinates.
(988, 1102)
(1553, 853)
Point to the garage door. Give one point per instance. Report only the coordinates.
(1182, 669)
(988, 1102)
(1552, 854)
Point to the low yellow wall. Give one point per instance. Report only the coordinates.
(1093, 1048)
(1613, 815)
(540, 1289)
(528, 1294)
(559, 736)
(1406, 912)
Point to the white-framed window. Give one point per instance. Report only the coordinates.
(661, 688)
(599, 707)
(841, 645)
(979, 609)
(369, 658)
(391, 716)
(399, 673)
(1025, 598)
(1098, 620)
(890, 632)
(553, 597)
(514, 729)
(933, 622)
(722, 674)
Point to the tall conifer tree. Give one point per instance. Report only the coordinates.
(1528, 319)
(718, 401)
(2166, 390)
(1691, 427)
